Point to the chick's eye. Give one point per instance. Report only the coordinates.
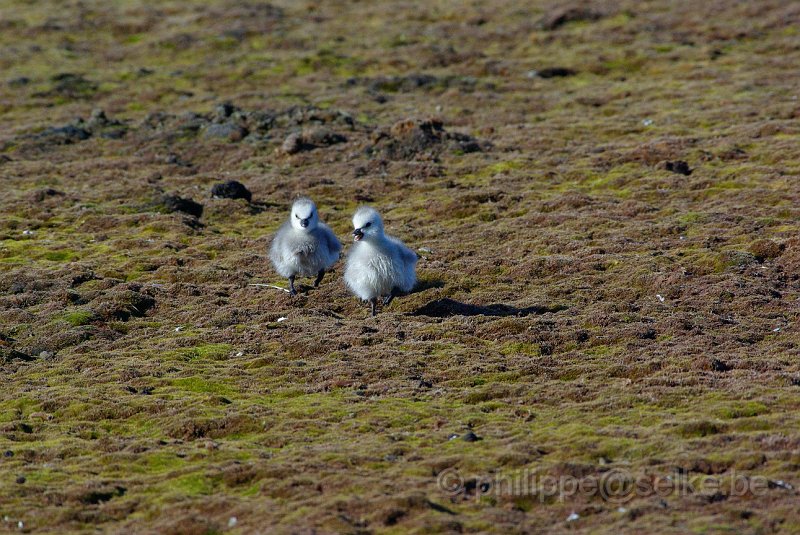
(297, 216)
(368, 224)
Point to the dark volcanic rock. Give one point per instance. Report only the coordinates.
(678, 166)
(554, 72)
(174, 203)
(469, 436)
(63, 135)
(231, 190)
(7, 355)
(79, 130)
(228, 130)
(223, 111)
(720, 366)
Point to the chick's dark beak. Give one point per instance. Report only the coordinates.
(304, 223)
(358, 234)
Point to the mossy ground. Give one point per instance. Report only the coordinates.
(581, 308)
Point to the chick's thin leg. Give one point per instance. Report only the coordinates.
(388, 299)
(319, 278)
(292, 291)
(374, 303)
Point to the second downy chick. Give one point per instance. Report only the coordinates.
(378, 266)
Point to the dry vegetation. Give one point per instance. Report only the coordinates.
(605, 196)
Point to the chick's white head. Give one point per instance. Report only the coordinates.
(367, 223)
(304, 214)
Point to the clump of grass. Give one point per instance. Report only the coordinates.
(700, 428)
(207, 351)
(521, 348)
(742, 410)
(77, 318)
(60, 256)
(202, 386)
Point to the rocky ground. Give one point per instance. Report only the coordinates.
(605, 199)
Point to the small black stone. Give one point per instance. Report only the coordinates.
(64, 135)
(679, 166)
(232, 189)
(555, 72)
(17, 288)
(8, 453)
(224, 110)
(469, 436)
(719, 366)
(648, 334)
(173, 203)
(21, 480)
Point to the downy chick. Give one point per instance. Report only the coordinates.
(378, 266)
(304, 246)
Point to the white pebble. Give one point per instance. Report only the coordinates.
(573, 517)
(232, 521)
(776, 330)
(178, 329)
(282, 318)
(647, 122)
(27, 232)
(660, 298)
